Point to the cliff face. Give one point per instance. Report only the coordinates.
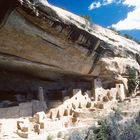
(46, 55)
(44, 41)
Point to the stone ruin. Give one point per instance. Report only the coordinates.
(77, 108)
(102, 94)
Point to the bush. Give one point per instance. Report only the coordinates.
(125, 35)
(50, 137)
(136, 128)
(78, 135)
(132, 81)
(128, 36)
(113, 129)
(102, 131)
(113, 29)
(83, 25)
(87, 17)
(60, 135)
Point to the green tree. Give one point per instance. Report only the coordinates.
(87, 17)
(102, 131)
(132, 81)
(128, 36)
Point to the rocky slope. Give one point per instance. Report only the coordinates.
(45, 42)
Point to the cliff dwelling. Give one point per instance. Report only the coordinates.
(59, 72)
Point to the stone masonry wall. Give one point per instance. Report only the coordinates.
(23, 110)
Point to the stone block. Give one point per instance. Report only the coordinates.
(109, 96)
(22, 134)
(25, 109)
(42, 126)
(80, 105)
(71, 111)
(66, 112)
(105, 99)
(23, 125)
(36, 118)
(59, 114)
(31, 119)
(74, 119)
(97, 83)
(88, 105)
(24, 128)
(113, 93)
(39, 117)
(121, 91)
(18, 124)
(76, 114)
(99, 105)
(74, 106)
(84, 113)
(77, 101)
(54, 113)
(37, 128)
(40, 94)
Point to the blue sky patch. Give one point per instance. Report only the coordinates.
(107, 13)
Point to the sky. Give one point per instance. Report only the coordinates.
(123, 15)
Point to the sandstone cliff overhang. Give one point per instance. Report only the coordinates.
(44, 41)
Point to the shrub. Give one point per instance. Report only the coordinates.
(60, 135)
(128, 36)
(78, 135)
(50, 137)
(136, 128)
(113, 29)
(83, 25)
(132, 81)
(87, 17)
(102, 131)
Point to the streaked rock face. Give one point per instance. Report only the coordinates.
(46, 42)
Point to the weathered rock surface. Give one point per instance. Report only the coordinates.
(46, 42)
